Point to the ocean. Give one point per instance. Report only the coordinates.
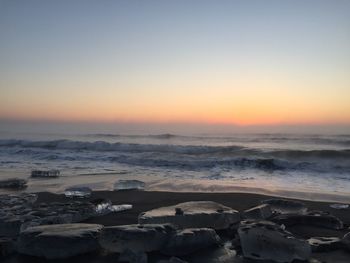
(312, 164)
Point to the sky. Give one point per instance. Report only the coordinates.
(243, 62)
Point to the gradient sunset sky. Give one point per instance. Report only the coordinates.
(228, 62)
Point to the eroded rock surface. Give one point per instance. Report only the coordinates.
(131, 256)
(214, 255)
(172, 260)
(199, 214)
(284, 206)
(59, 241)
(188, 241)
(140, 238)
(263, 211)
(319, 219)
(346, 241)
(19, 212)
(14, 183)
(7, 246)
(45, 173)
(264, 240)
(322, 244)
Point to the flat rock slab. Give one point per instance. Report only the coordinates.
(190, 240)
(263, 211)
(20, 199)
(311, 218)
(284, 206)
(59, 241)
(137, 238)
(214, 255)
(323, 244)
(45, 173)
(264, 240)
(7, 246)
(172, 260)
(346, 241)
(133, 256)
(199, 214)
(14, 183)
(18, 213)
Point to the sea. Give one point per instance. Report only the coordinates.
(310, 166)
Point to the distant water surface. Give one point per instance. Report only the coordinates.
(294, 162)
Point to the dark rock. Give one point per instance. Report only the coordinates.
(339, 206)
(45, 173)
(264, 240)
(322, 244)
(7, 246)
(59, 241)
(10, 225)
(172, 260)
(18, 213)
(311, 218)
(199, 214)
(214, 255)
(139, 238)
(14, 183)
(131, 256)
(189, 240)
(346, 241)
(259, 212)
(284, 206)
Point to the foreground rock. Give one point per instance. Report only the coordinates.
(323, 244)
(59, 241)
(214, 255)
(259, 212)
(18, 199)
(45, 173)
(346, 241)
(129, 185)
(339, 206)
(14, 183)
(7, 246)
(318, 219)
(284, 206)
(18, 213)
(12, 207)
(190, 240)
(265, 240)
(172, 260)
(199, 214)
(137, 238)
(133, 256)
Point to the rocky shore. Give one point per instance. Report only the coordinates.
(170, 227)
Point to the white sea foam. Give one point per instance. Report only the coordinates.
(317, 162)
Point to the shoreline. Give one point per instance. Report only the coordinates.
(147, 200)
(157, 184)
(296, 195)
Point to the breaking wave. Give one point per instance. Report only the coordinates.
(187, 157)
(177, 149)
